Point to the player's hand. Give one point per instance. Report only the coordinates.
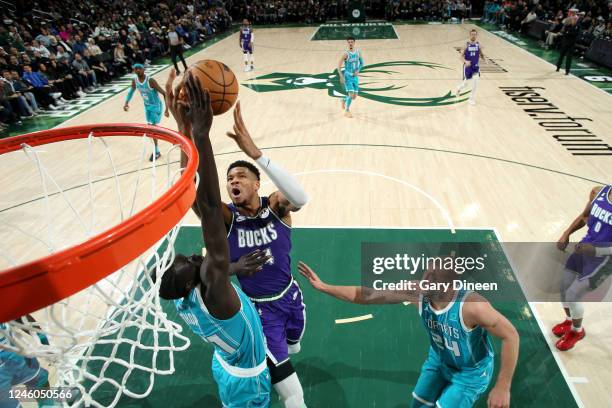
(585, 249)
(198, 111)
(499, 397)
(173, 104)
(250, 263)
(126, 107)
(563, 242)
(166, 113)
(241, 135)
(468, 63)
(309, 274)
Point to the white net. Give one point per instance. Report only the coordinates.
(112, 338)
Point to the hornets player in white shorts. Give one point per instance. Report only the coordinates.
(352, 60)
(211, 305)
(149, 89)
(459, 365)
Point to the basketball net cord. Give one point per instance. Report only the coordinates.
(112, 338)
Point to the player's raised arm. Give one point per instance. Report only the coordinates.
(357, 294)
(221, 300)
(291, 196)
(579, 221)
(479, 312)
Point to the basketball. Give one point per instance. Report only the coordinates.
(220, 81)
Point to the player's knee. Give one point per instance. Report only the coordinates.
(290, 391)
(353, 96)
(281, 371)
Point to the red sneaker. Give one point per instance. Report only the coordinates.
(570, 339)
(562, 328)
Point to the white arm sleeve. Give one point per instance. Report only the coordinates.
(285, 182)
(603, 251)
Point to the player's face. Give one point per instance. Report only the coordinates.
(351, 44)
(473, 36)
(245, 22)
(242, 185)
(139, 71)
(438, 276)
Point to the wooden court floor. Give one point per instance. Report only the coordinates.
(414, 157)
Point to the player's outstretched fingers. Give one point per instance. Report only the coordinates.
(305, 270)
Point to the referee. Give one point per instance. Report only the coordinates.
(569, 35)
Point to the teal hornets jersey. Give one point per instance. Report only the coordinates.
(457, 345)
(149, 95)
(353, 62)
(239, 340)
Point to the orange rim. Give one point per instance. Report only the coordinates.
(47, 280)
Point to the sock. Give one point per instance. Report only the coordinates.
(576, 328)
(246, 58)
(252, 58)
(348, 101)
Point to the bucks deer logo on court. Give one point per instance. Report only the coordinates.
(376, 82)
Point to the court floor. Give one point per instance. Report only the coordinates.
(413, 157)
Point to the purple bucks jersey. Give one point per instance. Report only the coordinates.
(600, 219)
(268, 233)
(246, 36)
(472, 53)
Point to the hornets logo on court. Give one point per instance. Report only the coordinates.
(371, 88)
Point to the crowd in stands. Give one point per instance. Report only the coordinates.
(55, 51)
(433, 10)
(594, 18)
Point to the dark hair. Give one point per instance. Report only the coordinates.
(175, 278)
(473, 30)
(242, 163)
(350, 38)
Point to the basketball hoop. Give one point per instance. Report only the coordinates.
(99, 291)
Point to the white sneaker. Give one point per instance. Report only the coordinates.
(246, 69)
(63, 100)
(52, 107)
(472, 102)
(81, 93)
(56, 95)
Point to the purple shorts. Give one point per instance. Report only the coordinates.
(589, 266)
(283, 321)
(246, 48)
(468, 72)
